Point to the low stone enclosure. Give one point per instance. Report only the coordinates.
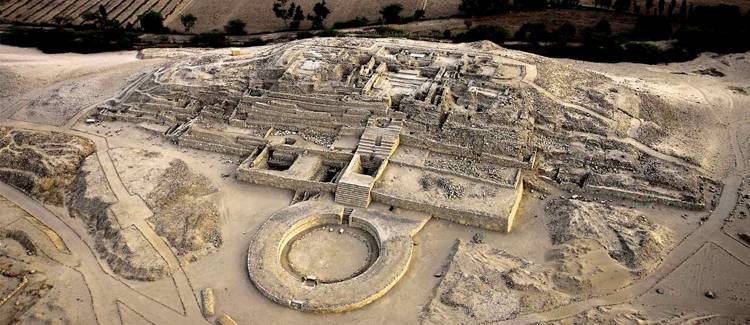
(446, 131)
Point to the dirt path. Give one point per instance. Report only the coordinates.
(105, 288)
(130, 210)
(740, 157)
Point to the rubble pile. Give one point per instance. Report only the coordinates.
(184, 211)
(484, 284)
(630, 238)
(42, 164)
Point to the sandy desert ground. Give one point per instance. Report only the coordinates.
(149, 225)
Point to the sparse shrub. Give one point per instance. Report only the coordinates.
(188, 21)
(254, 42)
(478, 238)
(450, 190)
(356, 22)
(235, 27)
(392, 13)
(532, 32)
(477, 8)
(151, 22)
(213, 38)
(304, 35)
(425, 182)
(321, 12)
(494, 34)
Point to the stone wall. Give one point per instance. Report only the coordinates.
(469, 218)
(261, 177)
(420, 142)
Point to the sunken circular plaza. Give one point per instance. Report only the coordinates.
(330, 253)
(318, 256)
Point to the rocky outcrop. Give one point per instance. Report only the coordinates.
(208, 302)
(42, 164)
(184, 211)
(225, 320)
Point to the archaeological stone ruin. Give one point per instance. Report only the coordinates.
(362, 129)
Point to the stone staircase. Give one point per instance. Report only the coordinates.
(354, 195)
(375, 147)
(346, 216)
(379, 145)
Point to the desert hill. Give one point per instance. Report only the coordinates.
(213, 14)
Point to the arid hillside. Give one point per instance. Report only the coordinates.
(41, 12)
(213, 14)
(259, 17)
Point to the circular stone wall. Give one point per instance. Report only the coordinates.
(304, 257)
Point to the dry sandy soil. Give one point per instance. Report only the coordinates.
(52, 88)
(550, 269)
